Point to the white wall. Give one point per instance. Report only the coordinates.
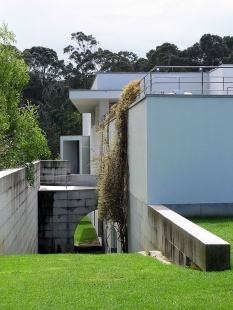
(115, 81)
(190, 150)
(18, 212)
(221, 78)
(74, 148)
(85, 155)
(86, 124)
(137, 150)
(94, 150)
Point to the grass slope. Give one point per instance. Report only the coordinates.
(112, 281)
(85, 232)
(222, 227)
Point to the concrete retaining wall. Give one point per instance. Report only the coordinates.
(18, 212)
(157, 227)
(183, 241)
(60, 211)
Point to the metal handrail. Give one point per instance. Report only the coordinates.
(150, 79)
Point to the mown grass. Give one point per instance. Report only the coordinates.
(85, 232)
(112, 281)
(222, 227)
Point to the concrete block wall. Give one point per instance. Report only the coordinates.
(18, 212)
(60, 211)
(140, 235)
(157, 227)
(57, 173)
(51, 170)
(71, 180)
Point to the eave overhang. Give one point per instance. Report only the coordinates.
(86, 100)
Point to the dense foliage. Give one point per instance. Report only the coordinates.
(21, 139)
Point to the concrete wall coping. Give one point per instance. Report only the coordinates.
(198, 232)
(4, 173)
(64, 188)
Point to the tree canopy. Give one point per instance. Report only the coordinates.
(21, 139)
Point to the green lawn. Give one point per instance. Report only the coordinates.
(222, 227)
(112, 281)
(85, 232)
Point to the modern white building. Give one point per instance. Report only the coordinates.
(180, 142)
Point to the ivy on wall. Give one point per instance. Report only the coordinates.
(112, 165)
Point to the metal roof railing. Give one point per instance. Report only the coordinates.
(198, 81)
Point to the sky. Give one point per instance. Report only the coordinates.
(118, 25)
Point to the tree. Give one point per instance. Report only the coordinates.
(58, 115)
(21, 140)
(122, 61)
(82, 65)
(44, 63)
(48, 90)
(166, 54)
(214, 49)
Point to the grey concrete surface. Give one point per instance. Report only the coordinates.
(157, 227)
(18, 212)
(60, 210)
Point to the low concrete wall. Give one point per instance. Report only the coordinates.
(18, 212)
(183, 241)
(50, 170)
(157, 227)
(71, 180)
(57, 173)
(60, 211)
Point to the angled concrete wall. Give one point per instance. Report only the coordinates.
(60, 211)
(18, 212)
(183, 241)
(157, 227)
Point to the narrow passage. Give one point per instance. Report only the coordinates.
(85, 238)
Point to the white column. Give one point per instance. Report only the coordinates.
(86, 118)
(103, 108)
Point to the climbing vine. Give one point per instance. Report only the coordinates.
(112, 165)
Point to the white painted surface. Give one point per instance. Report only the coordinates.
(85, 153)
(86, 124)
(220, 79)
(86, 100)
(190, 150)
(137, 150)
(71, 149)
(76, 149)
(94, 148)
(115, 80)
(103, 108)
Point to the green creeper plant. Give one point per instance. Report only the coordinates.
(112, 165)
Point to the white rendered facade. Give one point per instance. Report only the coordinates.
(180, 147)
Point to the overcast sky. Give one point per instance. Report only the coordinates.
(136, 26)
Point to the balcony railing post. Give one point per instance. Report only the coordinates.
(150, 82)
(202, 82)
